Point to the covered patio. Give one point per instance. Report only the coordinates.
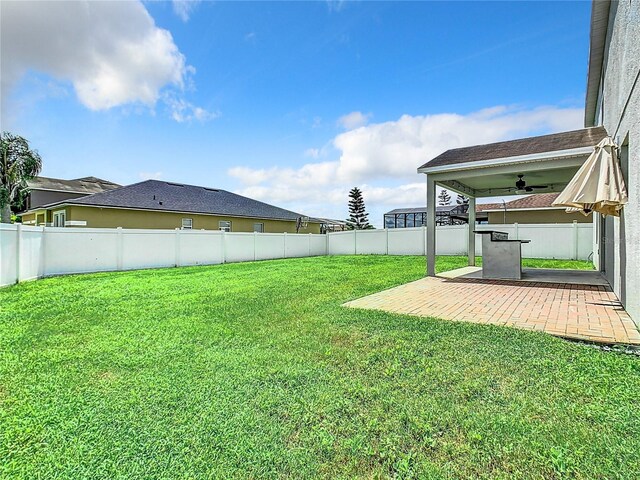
(526, 166)
(568, 303)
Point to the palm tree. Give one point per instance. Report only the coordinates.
(18, 164)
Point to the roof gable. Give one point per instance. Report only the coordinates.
(86, 185)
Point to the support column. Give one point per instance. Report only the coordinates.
(471, 248)
(431, 227)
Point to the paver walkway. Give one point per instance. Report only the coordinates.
(585, 312)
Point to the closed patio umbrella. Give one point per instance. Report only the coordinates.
(598, 185)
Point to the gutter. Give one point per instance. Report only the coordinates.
(599, 27)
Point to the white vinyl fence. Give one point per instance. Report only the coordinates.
(32, 252)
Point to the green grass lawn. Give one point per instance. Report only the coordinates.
(254, 370)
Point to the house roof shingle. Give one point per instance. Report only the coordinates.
(86, 185)
(177, 197)
(586, 137)
(540, 200)
(481, 207)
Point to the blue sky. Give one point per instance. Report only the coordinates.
(292, 103)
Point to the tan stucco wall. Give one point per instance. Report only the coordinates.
(43, 217)
(112, 218)
(28, 217)
(538, 216)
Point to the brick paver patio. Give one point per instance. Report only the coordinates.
(584, 312)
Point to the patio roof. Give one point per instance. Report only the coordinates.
(586, 137)
(492, 170)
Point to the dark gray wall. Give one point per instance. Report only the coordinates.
(37, 198)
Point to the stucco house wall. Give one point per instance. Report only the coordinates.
(619, 111)
(115, 217)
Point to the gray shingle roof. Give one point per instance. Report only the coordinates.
(177, 197)
(87, 185)
(587, 137)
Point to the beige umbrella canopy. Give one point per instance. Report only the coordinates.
(598, 186)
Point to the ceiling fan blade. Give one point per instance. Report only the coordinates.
(537, 186)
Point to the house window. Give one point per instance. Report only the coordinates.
(258, 227)
(187, 223)
(59, 218)
(224, 225)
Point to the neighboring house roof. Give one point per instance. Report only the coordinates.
(178, 197)
(86, 185)
(597, 43)
(587, 137)
(482, 207)
(530, 202)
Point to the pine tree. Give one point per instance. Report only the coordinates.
(444, 198)
(358, 217)
(462, 200)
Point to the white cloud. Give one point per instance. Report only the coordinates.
(335, 5)
(184, 8)
(183, 111)
(312, 152)
(150, 175)
(397, 148)
(112, 53)
(382, 158)
(353, 120)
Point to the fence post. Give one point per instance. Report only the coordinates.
(255, 241)
(310, 236)
(386, 250)
(355, 241)
(223, 249)
(515, 231)
(284, 247)
(42, 256)
(327, 246)
(18, 250)
(575, 240)
(424, 231)
(177, 247)
(119, 248)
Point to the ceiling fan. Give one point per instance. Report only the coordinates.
(522, 187)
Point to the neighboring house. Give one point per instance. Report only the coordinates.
(165, 205)
(45, 190)
(416, 217)
(531, 209)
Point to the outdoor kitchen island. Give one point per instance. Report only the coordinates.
(501, 256)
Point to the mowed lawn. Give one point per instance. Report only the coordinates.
(254, 370)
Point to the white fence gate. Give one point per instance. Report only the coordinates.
(32, 252)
